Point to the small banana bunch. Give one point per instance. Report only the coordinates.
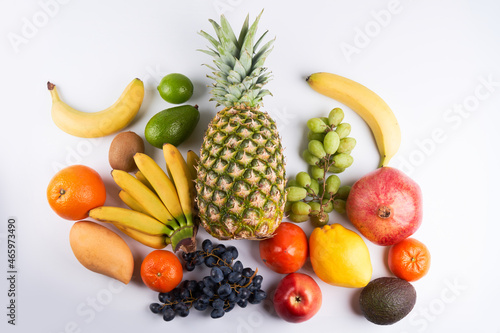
(162, 207)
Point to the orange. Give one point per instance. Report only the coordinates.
(161, 271)
(409, 259)
(75, 190)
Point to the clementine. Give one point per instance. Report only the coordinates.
(161, 271)
(409, 259)
(75, 190)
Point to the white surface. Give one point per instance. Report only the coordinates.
(424, 59)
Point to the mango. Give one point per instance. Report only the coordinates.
(101, 250)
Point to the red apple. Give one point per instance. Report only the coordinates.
(385, 206)
(297, 298)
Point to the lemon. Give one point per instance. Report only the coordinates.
(340, 257)
(175, 88)
(173, 125)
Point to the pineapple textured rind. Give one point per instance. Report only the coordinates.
(241, 176)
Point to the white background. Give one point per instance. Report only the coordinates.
(427, 59)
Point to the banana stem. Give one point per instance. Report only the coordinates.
(184, 238)
(53, 91)
(384, 160)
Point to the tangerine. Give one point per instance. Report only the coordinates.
(161, 271)
(409, 259)
(74, 191)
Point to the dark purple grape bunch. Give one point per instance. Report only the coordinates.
(229, 284)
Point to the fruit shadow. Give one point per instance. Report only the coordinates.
(356, 308)
(149, 95)
(303, 142)
(355, 296)
(112, 190)
(254, 252)
(199, 90)
(268, 304)
(136, 276)
(386, 256)
(307, 268)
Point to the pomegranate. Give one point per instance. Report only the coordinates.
(385, 206)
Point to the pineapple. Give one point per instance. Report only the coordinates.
(241, 175)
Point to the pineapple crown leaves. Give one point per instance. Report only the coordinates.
(239, 74)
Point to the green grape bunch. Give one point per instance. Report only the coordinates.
(312, 195)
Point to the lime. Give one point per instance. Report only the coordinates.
(173, 125)
(175, 88)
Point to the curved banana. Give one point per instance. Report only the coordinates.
(102, 123)
(143, 195)
(374, 111)
(155, 242)
(131, 219)
(139, 175)
(131, 202)
(192, 161)
(182, 180)
(162, 185)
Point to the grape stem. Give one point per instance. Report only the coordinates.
(188, 301)
(219, 259)
(250, 279)
(325, 163)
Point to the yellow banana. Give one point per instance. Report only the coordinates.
(130, 219)
(192, 161)
(374, 111)
(155, 242)
(131, 202)
(139, 175)
(102, 123)
(162, 185)
(143, 195)
(182, 180)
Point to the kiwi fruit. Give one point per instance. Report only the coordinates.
(122, 151)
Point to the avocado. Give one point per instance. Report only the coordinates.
(387, 300)
(173, 125)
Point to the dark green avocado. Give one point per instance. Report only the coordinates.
(387, 300)
(172, 125)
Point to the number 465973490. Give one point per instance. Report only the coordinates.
(11, 243)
